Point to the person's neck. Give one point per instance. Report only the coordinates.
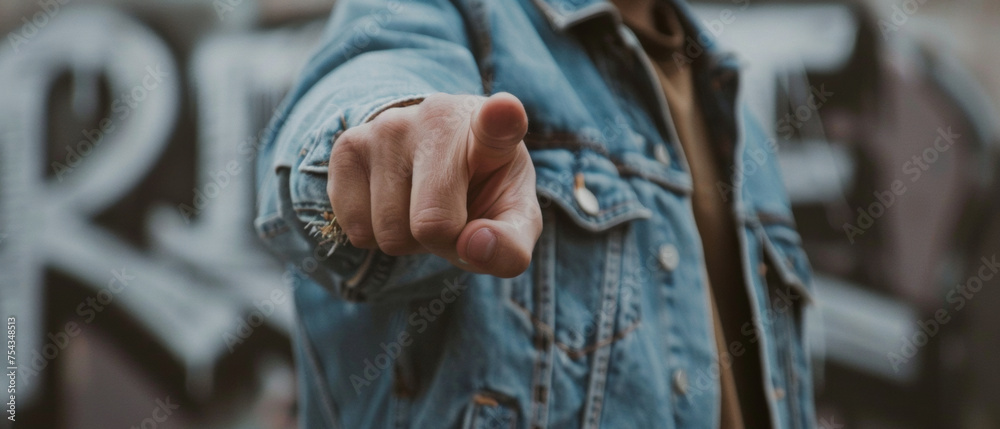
(637, 12)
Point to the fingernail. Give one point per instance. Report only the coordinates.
(482, 246)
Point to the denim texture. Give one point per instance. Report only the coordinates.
(610, 326)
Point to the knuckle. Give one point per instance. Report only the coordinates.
(391, 125)
(393, 236)
(395, 168)
(437, 115)
(348, 157)
(394, 244)
(343, 169)
(442, 110)
(360, 236)
(436, 102)
(434, 225)
(341, 201)
(347, 161)
(352, 140)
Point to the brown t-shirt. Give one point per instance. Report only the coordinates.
(659, 29)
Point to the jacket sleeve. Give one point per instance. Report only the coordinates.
(374, 54)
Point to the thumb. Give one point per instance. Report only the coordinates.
(502, 246)
(498, 126)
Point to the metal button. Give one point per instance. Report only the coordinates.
(762, 269)
(669, 257)
(587, 201)
(779, 393)
(584, 198)
(662, 154)
(680, 380)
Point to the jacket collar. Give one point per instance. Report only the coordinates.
(718, 77)
(565, 14)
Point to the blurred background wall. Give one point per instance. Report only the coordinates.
(128, 133)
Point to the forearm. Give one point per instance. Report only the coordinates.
(375, 55)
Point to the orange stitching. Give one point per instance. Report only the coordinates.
(481, 399)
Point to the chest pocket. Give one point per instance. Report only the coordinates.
(786, 269)
(576, 296)
(787, 278)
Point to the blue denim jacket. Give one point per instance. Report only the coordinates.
(610, 326)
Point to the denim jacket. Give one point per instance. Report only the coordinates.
(611, 325)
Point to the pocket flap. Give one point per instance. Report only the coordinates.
(605, 200)
(783, 246)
